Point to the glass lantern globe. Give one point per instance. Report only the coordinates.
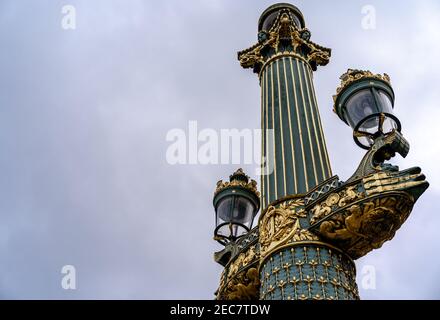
(236, 204)
(365, 102)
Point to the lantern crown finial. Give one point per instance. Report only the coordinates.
(238, 179)
(239, 175)
(354, 75)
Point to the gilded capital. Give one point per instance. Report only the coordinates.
(282, 31)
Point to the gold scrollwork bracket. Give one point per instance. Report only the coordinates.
(365, 224)
(236, 276)
(244, 286)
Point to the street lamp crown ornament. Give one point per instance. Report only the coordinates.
(238, 178)
(312, 225)
(353, 75)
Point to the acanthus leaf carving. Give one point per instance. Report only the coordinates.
(366, 225)
(280, 225)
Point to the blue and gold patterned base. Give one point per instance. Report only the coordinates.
(303, 271)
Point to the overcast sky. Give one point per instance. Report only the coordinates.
(84, 116)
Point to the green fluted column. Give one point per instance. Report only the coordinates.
(294, 263)
(299, 155)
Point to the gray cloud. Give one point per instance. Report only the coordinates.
(84, 116)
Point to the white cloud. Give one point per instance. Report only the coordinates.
(83, 121)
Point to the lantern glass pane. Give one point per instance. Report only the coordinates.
(359, 106)
(243, 211)
(224, 210)
(389, 125)
(234, 214)
(238, 231)
(385, 101)
(371, 125)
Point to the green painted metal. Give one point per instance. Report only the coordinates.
(300, 160)
(312, 224)
(308, 271)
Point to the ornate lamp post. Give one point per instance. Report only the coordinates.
(312, 225)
